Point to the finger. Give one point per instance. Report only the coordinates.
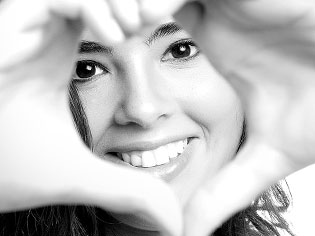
(54, 167)
(70, 174)
(94, 181)
(190, 15)
(126, 12)
(256, 167)
(26, 36)
(95, 14)
(280, 14)
(152, 11)
(122, 190)
(18, 42)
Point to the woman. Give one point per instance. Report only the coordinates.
(156, 104)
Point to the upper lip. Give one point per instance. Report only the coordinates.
(144, 145)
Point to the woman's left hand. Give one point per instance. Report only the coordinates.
(266, 50)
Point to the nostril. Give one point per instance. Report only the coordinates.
(141, 109)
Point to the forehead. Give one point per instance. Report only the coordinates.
(147, 33)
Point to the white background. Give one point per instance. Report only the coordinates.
(301, 214)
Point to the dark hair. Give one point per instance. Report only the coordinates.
(262, 217)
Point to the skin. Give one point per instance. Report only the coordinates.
(39, 148)
(271, 66)
(141, 93)
(29, 43)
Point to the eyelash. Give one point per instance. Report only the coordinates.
(101, 69)
(98, 67)
(185, 42)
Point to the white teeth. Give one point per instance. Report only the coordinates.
(155, 157)
(126, 157)
(148, 159)
(180, 147)
(161, 155)
(135, 160)
(172, 150)
(185, 143)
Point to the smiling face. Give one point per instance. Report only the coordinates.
(156, 104)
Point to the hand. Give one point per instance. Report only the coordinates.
(266, 50)
(43, 160)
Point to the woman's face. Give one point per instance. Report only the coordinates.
(155, 104)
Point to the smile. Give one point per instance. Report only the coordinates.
(164, 159)
(159, 156)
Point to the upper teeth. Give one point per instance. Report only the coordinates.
(158, 156)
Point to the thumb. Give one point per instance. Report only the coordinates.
(255, 168)
(89, 180)
(61, 170)
(122, 190)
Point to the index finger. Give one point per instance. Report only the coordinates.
(24, 37)
(96, 14)
(255, 168)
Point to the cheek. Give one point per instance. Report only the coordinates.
(217, 109)
(98, 101)
(207, 97)
(210, 102)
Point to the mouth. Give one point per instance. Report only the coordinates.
(156, 157)
(166, 161)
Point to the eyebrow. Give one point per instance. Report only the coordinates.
(94, 47)
(163, 30)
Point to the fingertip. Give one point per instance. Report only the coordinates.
(174, 229)
(153, 11)
(126, 12)
(164, 208)
(104, 26)
(189, 16)
(200, 213)
(176, 225)
(116, 34)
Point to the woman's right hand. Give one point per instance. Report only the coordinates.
(42, 159)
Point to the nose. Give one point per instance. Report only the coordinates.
(145, 100)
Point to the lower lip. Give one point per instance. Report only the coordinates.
(167, 171)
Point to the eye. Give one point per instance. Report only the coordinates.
(87, 69)
(181, 50)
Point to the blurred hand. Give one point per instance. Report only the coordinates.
(42, 158)
(266, 51)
